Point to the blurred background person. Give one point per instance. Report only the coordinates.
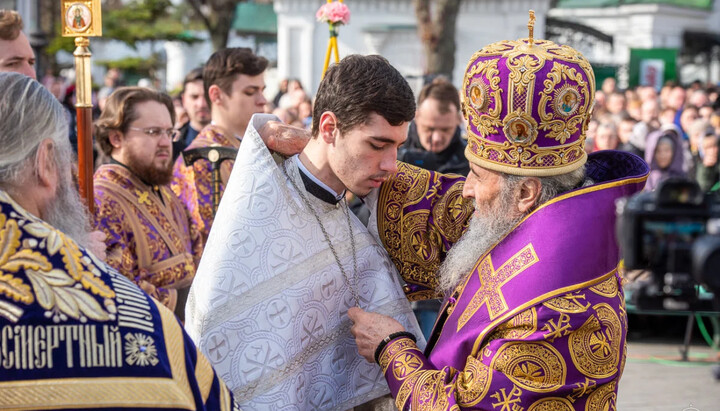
(15, 51)
(606, 137)
(198, 112)
(434, 138)
(707, 170)
(664, 155)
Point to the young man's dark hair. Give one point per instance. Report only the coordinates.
(361, 85)
(443, 91)
(194, 75)
(225, 65)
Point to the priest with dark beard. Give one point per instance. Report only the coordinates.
(149, 236)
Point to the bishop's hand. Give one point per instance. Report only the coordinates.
(369, 329)
(284, 139)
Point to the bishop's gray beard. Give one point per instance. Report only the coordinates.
(67, 212)
(483, 232)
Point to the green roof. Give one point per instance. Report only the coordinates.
(255, 18)
(576, 4)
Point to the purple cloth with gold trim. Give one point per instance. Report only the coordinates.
(540, 322)
(77, 334)
(147, 239)
(193, 185)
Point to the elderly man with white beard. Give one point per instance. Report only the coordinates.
(533, 315)
(75, 332)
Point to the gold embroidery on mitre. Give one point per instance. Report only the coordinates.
(491, 282)
(520, 129)
(473, 382)
(534, 366)
(595, 346)
(603, 398)
(569, 114)
(551, 404)
(567, 101)
(485, 119)
(571, 303)
(561, 113)
(478, 95)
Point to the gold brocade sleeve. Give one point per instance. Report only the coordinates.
(420, 215)
(563, 355)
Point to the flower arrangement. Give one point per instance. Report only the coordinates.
(334, 13)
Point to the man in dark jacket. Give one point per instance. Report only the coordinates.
(434, 137)
(193, 100)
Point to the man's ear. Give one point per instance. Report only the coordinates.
(115, 138)
(530, 190)
(328, 125)
(45, 166)
(215, 94)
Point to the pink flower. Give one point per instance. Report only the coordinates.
(333, 13)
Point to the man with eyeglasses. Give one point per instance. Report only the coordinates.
(150, 238)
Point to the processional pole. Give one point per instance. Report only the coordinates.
(82, 19)
(334, 14)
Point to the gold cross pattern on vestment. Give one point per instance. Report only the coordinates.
(491, 281)
(143, 197)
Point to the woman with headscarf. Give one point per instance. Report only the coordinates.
(664, 155)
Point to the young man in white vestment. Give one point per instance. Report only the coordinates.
(286, 258)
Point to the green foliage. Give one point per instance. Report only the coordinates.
(133, 64)
(145, 20)
(59, 43)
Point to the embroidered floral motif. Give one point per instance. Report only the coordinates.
(534, 366)
(62, 293)
(595, 347)
(140, 349)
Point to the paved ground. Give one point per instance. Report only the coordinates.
(655, 381)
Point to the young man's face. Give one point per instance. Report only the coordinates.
(245, 99)
(17, 55)
(193, 100)
(362, 158)
(435, 128)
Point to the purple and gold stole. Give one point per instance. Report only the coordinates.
(566, 244)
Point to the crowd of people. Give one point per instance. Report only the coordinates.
(222, 265)
(675, 130)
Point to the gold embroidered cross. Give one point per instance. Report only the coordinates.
(491, 281)
(559, 329)
(508, 401)
(143, 197)
(583, 388)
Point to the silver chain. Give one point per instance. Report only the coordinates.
(352, 286)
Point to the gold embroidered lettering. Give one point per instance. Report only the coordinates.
(116, 344)
(39, 346)
(17, 344)
(52, 343)
(7, 359)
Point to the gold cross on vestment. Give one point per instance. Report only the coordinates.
(143, 197)
(491, 281)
